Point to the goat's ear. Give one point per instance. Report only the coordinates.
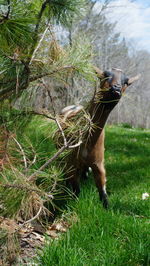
(131, 80)
(99, 72)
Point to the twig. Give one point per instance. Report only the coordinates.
(34, 175)
(36, 31)
(30, 220)
(34, 160)
(17, 80)
(42, 75)
(62, 132)
(23, 84)
(35, 156)
(22, 151)
(75, 145)
(56, 119)
(29, 189)
(40, 15)
(42, 112)
(39, 44)
(19, 187)
(49, 94)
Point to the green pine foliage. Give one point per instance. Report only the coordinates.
(22, 24)
(29, 145)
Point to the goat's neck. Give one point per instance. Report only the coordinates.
(99, 113)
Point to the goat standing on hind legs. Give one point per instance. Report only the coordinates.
(91, 154)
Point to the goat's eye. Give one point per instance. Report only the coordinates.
(109, 76)
(124, 80)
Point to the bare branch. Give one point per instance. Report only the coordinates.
(39, 44)
(45, 165)
(75, 145)
(22, 151)
(50, 96)
(30, 220)
(62, 132)
(56, 119)
(34, 175)
(43, 112)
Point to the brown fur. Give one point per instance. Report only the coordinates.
(91, 153)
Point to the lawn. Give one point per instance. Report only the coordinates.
(120, 235)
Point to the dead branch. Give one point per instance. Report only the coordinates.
(34, 175)
(56, 119)
(39, 44)
(49, 94)
(75, 145)
(22, 151)
(62, 132)
(30, 220)
(45, 165)
(35, 156)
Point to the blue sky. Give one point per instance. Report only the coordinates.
(133, 20)
(145, 3)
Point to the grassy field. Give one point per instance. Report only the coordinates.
(119, 236)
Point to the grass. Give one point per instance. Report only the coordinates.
(119, 236)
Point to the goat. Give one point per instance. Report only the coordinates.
(91, 154)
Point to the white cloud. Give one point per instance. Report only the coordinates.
(133, 21)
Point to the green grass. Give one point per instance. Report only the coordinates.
(119, 236)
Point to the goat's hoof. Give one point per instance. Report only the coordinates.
(104, 201)
(105, 204)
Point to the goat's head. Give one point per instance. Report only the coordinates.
(113, 84)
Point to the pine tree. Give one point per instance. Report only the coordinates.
(23, 26)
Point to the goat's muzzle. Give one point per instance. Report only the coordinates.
(116, 91)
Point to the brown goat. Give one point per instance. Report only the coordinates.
(112, 85)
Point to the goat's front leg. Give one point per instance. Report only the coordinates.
(84, 172)
(100, 180)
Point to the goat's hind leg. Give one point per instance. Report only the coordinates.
(100, 181)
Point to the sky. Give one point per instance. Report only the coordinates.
(133, 20)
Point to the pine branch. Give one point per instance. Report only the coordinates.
(42, 75)
(22, 151)
(40, 41)
(44, 5)
(30, 220)
(40, 16)
(24, 84)
(27, 188)
(56, 155)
